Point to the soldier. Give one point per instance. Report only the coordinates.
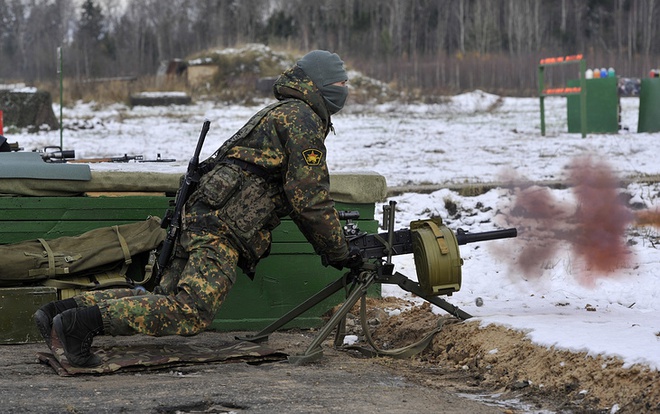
(273, 167)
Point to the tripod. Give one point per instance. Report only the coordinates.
(360, 281)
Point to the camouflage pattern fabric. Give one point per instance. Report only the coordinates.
(189, 308)
(235, 203)
(229, 217)
(151, 357)
(289, 144)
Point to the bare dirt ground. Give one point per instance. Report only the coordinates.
(506, 363)
(457, 373)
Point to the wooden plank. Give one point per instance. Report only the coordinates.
(81, 203)
(82, 208)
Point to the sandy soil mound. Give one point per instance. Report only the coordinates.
(507, 363)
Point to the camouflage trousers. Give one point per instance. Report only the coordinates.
(190, 293)
(225, 219)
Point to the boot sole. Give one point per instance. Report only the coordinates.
(44, 324)
(92, 360)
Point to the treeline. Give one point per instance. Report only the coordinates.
(430, 46)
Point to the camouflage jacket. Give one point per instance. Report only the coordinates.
(288, 142)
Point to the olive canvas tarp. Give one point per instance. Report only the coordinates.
(348, 187)
(37, 261)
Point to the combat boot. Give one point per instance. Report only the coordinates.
(43, 317)
(76, 329)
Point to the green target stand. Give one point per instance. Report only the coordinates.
(649, 102)
(580, 90)
(602, 107)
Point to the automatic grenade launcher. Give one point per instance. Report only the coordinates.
(434, 247)
(437, 262)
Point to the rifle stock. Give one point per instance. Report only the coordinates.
(172, 220)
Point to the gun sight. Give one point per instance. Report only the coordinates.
(349, 215)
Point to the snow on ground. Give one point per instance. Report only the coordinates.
(559, 301)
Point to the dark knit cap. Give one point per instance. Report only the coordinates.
(323, 68)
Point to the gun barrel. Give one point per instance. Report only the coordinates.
(464, 238)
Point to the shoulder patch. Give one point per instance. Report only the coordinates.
(312, 156)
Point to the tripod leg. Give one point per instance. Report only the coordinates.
(413, 287)
(314, 350)
(323, 294)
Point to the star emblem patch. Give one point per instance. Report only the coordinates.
(312, 156)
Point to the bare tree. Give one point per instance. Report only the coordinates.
(485, 30)
(648, 32)
(425, 44)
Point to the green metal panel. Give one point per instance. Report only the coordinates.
(649, 106)
(16, 308)
(291, 274)
(602, 106)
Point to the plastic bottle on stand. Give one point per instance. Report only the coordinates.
(589, 74)
(603, 73)
(596, 73)
(611, 73)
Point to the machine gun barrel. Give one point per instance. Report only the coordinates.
(463, 237)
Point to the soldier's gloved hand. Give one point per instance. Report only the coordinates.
(352, 261)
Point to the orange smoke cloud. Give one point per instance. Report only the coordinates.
(601, 218)
(537, 216)
(594, 226)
